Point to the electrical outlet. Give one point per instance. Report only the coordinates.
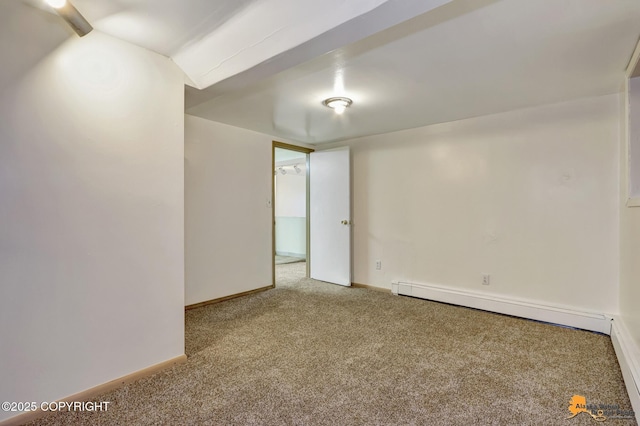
(486, 279)
(378, 264)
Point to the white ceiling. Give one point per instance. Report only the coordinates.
(266, 65)
(464, 59)
(212, 40)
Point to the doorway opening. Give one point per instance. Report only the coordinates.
(290, 213)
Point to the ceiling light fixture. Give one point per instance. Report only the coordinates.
(338, 104)
(69, 13)
(56, 4)
(297, 169)
(282, 171)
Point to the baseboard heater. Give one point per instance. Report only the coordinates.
(628, 355)
(600, 323)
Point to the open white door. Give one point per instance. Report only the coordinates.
(330, 216)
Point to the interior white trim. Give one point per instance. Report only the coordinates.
(290, 254)
(628, 355)
(629, 74)
(633, 202)
(520, 308)
(633, 61)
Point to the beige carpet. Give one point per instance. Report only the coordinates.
(310, 353)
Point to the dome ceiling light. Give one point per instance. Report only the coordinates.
(338, 104)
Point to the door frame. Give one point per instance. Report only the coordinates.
(307, 151)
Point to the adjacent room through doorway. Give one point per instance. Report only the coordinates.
(291, 227)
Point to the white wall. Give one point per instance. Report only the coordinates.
(528, 196)
(228, 221)
(291, 208)
(91, 210)
(291, 194)
(291, 236)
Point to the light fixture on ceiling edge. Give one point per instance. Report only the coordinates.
(74, 18)
(338, 104)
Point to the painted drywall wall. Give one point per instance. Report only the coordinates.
(629, 225)
(291, 193)
(291, 236)
(291, 207)
(527, 196)
(91, 211)
(227, 214)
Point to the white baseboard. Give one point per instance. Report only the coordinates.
(519, 308)
(290, 254)
(628, 355)
(370, 287)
